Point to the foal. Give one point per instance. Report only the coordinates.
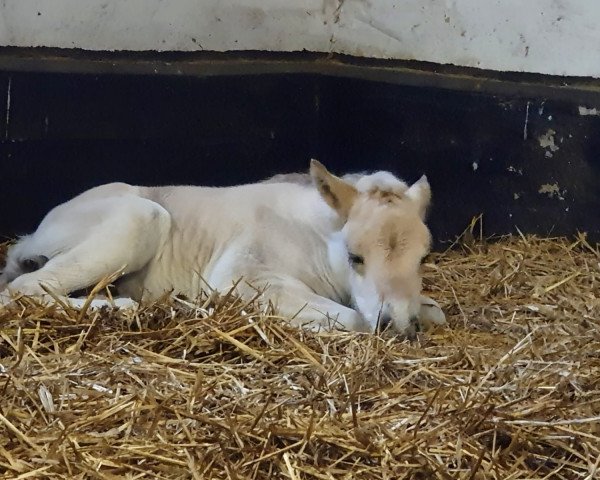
(343, 252)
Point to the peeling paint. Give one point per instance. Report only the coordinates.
(583, 111)
(552, 190)
(547, 142)
(7, 122)
(526, 122)
(541, 109)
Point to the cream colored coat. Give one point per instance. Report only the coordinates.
(282, 236)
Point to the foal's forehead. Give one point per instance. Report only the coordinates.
(389, 220)
(384, 205)
(404, 229)
(386, 197)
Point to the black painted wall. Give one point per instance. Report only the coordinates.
(67, 132)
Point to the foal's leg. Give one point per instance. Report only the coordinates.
(294, 301)
(309, 310)
(129, 231)
(431, 313)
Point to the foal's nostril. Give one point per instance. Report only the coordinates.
(414, 323)
(414, 327)
(411, 333)
(384, 322)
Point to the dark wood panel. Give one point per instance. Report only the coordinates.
(66, 106)
(227, 130)
(482, 154)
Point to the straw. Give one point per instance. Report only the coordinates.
(222, 388)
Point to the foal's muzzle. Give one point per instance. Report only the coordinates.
(386, 323)
(413, 328)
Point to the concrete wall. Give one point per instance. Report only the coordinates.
(558, 37)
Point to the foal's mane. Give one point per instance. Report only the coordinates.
(295, 178)
(385, 193)
(305, 179)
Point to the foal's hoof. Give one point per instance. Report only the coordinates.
(431, 314)
(98, 303)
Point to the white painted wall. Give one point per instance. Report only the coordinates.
(559, 37)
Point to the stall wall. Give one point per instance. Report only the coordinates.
(557, 37)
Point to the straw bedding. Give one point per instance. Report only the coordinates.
(511, 389)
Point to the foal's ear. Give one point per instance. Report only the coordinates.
(338, 194)
(420, 194)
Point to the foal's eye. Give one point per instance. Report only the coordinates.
(356, 259)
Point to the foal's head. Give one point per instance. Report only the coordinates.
(386, 240)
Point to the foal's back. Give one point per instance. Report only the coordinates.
(253, 231)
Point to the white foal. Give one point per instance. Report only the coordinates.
(342, 252)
